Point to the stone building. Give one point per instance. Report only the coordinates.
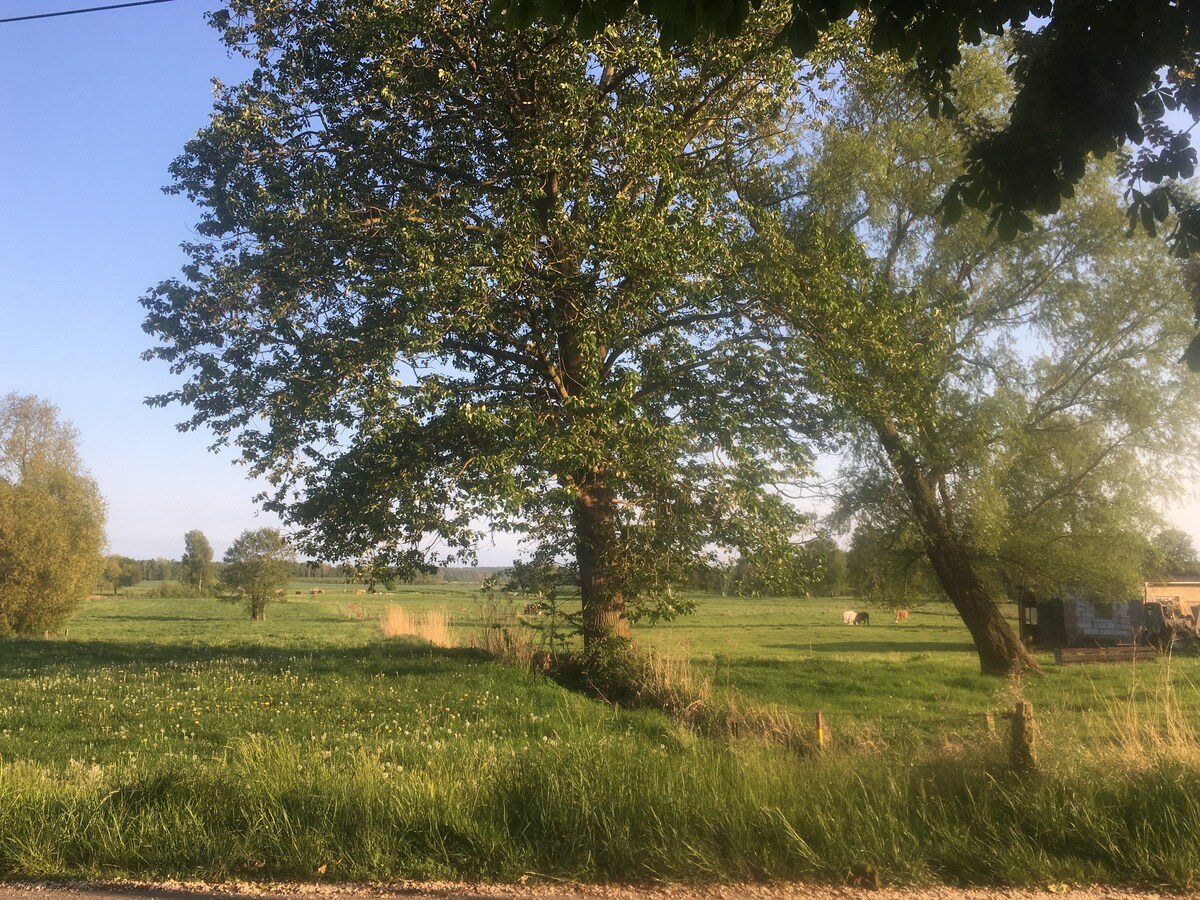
(1078, 619)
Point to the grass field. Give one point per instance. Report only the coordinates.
(178, 738)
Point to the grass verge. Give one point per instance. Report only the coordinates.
(601, 807)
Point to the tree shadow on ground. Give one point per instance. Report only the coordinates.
(876, 647)
(28, 657)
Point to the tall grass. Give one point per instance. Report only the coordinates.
(1153, 720)
(431, 625)
(594, 805)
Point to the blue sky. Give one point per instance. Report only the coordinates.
(93, 108)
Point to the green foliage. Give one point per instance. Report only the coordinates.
(1092, 79)
(33, 437)
(1172, 554)
(121, 571)
(887, 564)
(832, 562)
(789, 573)
(538, 578)
(257, 568)
(160, 569)
(174, 590)
(197, 563)
(1014, 409)
(51, 519)
(543, 585)
(502, 281)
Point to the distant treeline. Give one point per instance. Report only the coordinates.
(316, 571)
(162, 569)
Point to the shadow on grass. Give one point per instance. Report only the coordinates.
(876, 647)
(26, 656)
(198, 617)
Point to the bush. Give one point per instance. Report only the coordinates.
(175, 590)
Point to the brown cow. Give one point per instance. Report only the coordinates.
(901, 616)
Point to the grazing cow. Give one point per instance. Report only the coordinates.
(534, 609)
(848, 617)
(862, 619)
(901, 615)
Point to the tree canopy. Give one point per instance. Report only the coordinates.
(257, 568)
(1013, 404)
(453, 273)
(51, 518)
(1172, 554)
(1091, 79)
(197, 562)
(121, 571)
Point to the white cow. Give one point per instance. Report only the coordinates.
(848, 617)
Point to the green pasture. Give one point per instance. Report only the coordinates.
(886, 684)
(177, 738)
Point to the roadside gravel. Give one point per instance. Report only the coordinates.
(446, 890)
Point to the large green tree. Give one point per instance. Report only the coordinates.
(452, 273)
(51, 518)
(1018, 399)
(257, 568)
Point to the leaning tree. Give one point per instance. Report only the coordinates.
(453, 273)
(1017, 406)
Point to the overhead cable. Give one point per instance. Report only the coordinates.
(75, 12)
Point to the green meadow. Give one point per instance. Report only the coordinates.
(176, 738)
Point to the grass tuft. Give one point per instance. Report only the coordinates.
(432, 625)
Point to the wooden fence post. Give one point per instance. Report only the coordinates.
(820, 730)
(1024, 738)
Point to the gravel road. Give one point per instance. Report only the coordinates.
(445, 891)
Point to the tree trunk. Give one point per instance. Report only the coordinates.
(595, 552)
(1000, 651)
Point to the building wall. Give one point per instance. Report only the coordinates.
(1186, 592)
(1103, 623)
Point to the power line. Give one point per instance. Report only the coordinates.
(75, 12)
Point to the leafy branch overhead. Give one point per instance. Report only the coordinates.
(1092, 79)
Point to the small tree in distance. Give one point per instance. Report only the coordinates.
(197, 562)
(257, 567)
(121, 571)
